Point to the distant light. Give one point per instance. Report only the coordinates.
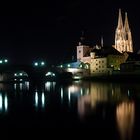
(53, 74)
(15, 79)
(61, 66)
(5, 60)
(20, 74)
(42, 63)
(68, 65)
(15, 74)
(36, 64)
(48, 73)
(1, 62)
(20, 79)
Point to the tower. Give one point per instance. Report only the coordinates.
(123, 37)
(127, 35)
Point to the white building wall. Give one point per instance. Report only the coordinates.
(81, 51)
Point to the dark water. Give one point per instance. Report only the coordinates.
(110, 109)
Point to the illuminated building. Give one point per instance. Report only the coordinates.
(100, 59)
(123, 37)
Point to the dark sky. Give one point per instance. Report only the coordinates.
(52, 30)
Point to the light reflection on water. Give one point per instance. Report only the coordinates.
(125, 114)
(83, 98)
(3, 103)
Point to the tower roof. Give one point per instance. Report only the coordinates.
(126, 24)
(120, 22)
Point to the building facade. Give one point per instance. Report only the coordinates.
(123, 37)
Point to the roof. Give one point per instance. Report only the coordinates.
(104, 51)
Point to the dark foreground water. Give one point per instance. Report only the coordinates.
(112, 109)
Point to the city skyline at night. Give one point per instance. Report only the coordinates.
(52, 32)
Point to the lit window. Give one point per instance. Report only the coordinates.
(68, 65)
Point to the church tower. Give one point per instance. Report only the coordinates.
(123, 37)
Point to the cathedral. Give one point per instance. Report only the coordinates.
(123, 37)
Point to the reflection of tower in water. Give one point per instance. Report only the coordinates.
(100, 93)
(125, 119)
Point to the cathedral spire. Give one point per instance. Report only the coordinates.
(120, 23)
(102, 42)
(123, 37)
(126, 24)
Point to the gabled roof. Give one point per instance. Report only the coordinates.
(105, 51)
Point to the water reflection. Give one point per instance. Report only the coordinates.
(39, 100)
(50, 86)
(21, 86)
(3, 102)
(125, 114)
(98, 93)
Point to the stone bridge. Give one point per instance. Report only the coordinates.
(36, 74)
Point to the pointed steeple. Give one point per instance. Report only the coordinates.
(120, 23)
(102, 42)
(82, 38)
(126, 24)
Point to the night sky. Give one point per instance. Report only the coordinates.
(52, 30)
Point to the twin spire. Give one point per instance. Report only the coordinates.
(123, 37)
(120, 22)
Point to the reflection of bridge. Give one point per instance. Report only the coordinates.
(33, 73)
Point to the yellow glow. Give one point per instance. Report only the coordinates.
(125, 114)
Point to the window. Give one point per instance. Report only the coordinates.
(79, 51)
(102, 61)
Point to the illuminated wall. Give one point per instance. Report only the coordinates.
(115, 60)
